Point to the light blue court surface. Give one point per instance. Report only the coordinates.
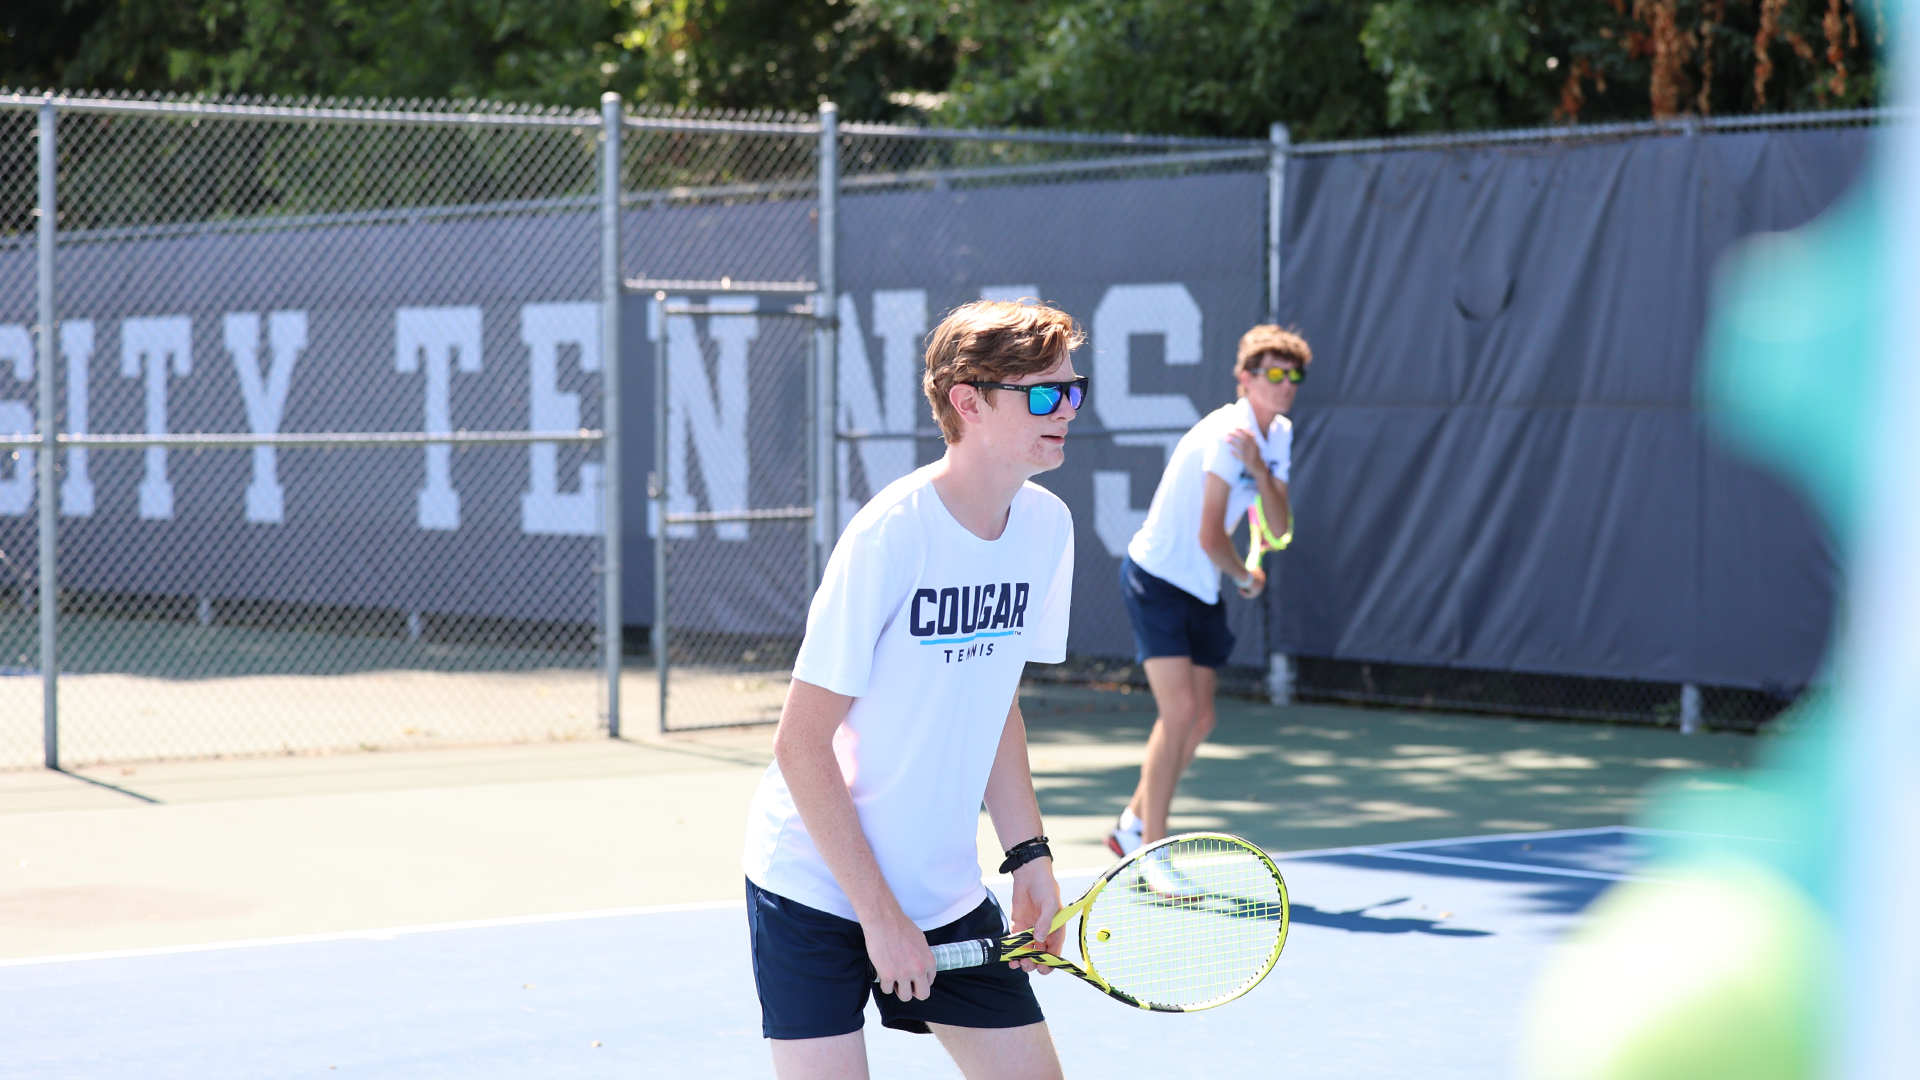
(1407, 961)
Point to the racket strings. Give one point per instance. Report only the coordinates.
(1193, 922)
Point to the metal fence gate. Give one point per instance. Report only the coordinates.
(735, 564)
(723, 220)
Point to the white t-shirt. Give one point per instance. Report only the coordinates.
(1168, 543)
(927, 627)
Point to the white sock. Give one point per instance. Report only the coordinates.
(1130, 822)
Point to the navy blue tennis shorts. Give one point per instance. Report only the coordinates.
(1170, 621)
(812, 971)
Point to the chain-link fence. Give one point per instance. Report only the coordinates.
(328, 395)
(1775, 191)
(1418, 686)
(333, 416)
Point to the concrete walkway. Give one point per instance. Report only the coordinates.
(156, 855)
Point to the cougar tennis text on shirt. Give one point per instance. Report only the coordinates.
(966, 618)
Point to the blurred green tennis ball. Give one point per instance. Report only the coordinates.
(1717, 975)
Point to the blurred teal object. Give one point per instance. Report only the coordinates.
(1793, 352)
(1736, 962)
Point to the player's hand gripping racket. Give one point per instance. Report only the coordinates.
(1182, 924)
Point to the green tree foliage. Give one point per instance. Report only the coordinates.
(536, 50)
(1329, 68)
(738, 54)
(1201, 67)
(1228, 67)
(780, 54)
(1475, 64)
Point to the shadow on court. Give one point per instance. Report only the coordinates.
(1358, 921)
(1320, 776)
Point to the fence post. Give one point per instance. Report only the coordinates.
(49, 446)
(657, 493)
(825, 419)
(1276, 214)
(1279, 679)
(612, 115)
(1691, 709)
(1279, 665)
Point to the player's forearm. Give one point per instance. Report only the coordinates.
(803, 747)
(1010, 801)
(1213, 530)
(1219, 548)
(1276, 505)
(1016, 817)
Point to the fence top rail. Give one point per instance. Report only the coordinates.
(1085, 138)
(936, 177)
(314, 114)
(506, 115)
(306, 440)
(722, 285)
(700, 126)
(1596, 132)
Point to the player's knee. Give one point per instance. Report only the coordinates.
(1179, 718)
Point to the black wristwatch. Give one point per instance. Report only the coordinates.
(1025, 852)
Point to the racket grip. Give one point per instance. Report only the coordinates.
(964, 954)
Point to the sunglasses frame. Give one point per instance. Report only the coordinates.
(1294, 375)
(1064, 389)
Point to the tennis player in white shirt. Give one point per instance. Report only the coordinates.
(903, 719)
(1170, 578)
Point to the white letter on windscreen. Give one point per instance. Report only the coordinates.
(437, 338)
(1125, 312)
(712, 414)
(16, 418)
(266, 398)
(545, 510)
(894, 405)
(153, 347)
(76, 345)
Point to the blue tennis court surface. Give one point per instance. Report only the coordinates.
(1408, 960)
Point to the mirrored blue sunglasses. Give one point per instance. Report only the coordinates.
(1044, 398)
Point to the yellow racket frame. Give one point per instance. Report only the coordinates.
(1261, 539)
(1020, 946)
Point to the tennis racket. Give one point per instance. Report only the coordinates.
(1260, 538)
(1182, 924)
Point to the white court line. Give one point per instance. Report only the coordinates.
(1367, 849)
(376, 935)
(1516, 868)
(1400, 851)
(1389, 852)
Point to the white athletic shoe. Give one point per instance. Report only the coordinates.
(1123, 842)
(1165, 880)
